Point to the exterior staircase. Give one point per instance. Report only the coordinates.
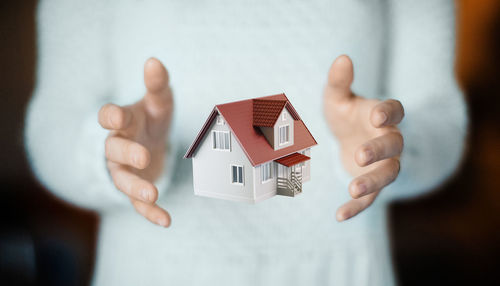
(290, 187)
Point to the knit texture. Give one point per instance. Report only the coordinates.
(92, 52)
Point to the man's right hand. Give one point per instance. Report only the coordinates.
(136, 145)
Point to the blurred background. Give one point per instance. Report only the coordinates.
(450, 237)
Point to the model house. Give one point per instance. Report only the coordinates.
(251, 150)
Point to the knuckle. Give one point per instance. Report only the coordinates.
(363, 155)
(129, 153)
(398, 140)
(121, 187)
(153, 194)
(141, 208)
(352, 189)
(376, 147)
(381, 107)
(138, 207)
(395, 166)
(118, 118)
(369, 202)
(144, 156)
(139, 155)
(134, 203)
(148, 212)
(147, 192)
(401, 142)
(118, 182)
(360, 186)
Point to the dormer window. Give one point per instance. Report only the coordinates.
(284, 134)
(271, 116)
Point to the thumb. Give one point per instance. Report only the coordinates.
(158, 98)
(340, 77)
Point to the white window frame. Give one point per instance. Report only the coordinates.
(237, 174)
(219, 120)
(269, 166)
(214, 147)
(287, 140)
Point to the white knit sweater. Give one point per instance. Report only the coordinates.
(92, 52)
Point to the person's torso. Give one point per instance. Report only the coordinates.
(222, 51)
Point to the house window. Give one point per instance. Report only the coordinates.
(266, 171)
(220, 121)
(221, 140)
(284, 134)
(237, 174)
(283, 116)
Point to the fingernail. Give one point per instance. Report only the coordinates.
(367, 156)
(361, 189)
(381, 118)
(145, 195)
(162, 222)
(341, 216)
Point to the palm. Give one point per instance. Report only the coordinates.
(369, 139)
(353, 128)
(135, 147)
(150, 132)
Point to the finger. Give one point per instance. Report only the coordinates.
(152, 212)
(128, 152)
(375, 180)
(132, 185)
(340, 78)
(355, 206)
(114, 117)
(158, 97)
(386, 113)
(382, 147)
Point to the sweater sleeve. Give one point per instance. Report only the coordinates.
(64, 141)
(420, 73)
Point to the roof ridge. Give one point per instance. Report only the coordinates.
(258, 98)
(262, 99)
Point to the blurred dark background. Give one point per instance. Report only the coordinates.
(450, 237)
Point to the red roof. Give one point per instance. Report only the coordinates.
(292, 159)
(266, 111)
(239, 117)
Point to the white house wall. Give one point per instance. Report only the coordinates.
(264, 190)
(212, 169)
